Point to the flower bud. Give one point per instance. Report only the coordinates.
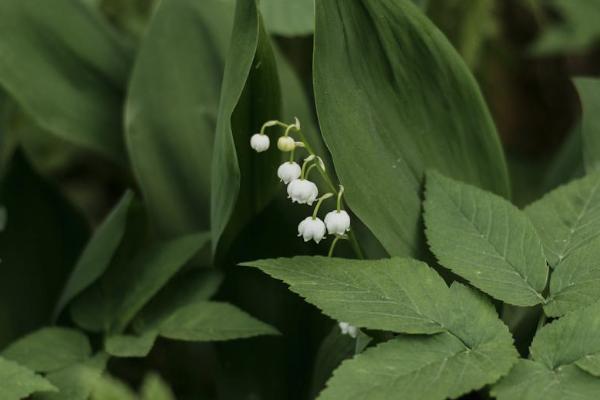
(260, 142)
(286, 143)
(288, 172)
(302, 191)
(348, 329)
(311, 229)
(337, 222)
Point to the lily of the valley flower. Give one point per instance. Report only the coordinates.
(286, 143)
(348, 329)
(311, 228)
(337, 222)
(302, 191)
(260, 142)
(288, 171)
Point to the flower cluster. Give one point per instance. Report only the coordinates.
(300, 189)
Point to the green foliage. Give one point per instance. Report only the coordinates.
(129, 345)
(17, 382)
(385, 64)
(486, 240)
(295, 18)
(589, 93)
(63, 50)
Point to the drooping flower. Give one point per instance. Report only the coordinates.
(286, 143)
(289, 171)
(260, 142)
(311, 228)
(348, 329)
(302, 191)
(337, 222)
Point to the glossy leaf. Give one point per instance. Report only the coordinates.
(486, 240)
(18, 382)
(171, 111)
(568, 217)
(589, 93)
(98, 253)
(242, 181)
(394, 98)
(67, 69)
(49, 349)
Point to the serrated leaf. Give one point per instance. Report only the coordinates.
(211, 321)
(560, 352)
(589, 93)
(486, 240)
(18, 382)
(175, 88)
(77, 381)
(49, 349)
(250, 96)
(568, 217)
(130, 345)
(379, 69)
(67, 68)
(98, 253)
(154, 388)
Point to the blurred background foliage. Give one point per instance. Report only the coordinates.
(524, 54)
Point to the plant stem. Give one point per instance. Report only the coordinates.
(330, 253)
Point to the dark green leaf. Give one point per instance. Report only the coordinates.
(67, 69)
(17, 382)
(289, 18)
(394, 98)
(486, 240)
(49, 349)
(171, 111)
(589, 93)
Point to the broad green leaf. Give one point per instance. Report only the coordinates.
(154, 388)
(66, 67)
(568, 217)
(38, 248)
(18, 382)
(486, 240)
(575, 282)
(289, 18)
(242, 180)
(560, 352)
(171, 111)
(530, 380)
(98, 253)
(129, 345)
(589, 93)
(49, 349)
(380, 68)
(423, 367)
(127, 287)
(211, 321)
(398, 294)
(77, 381)
(109, 388)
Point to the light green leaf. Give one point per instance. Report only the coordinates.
(568, 217)
(154, 388)
(589, 93)
(98, 253)
(289, 18)
(250, 96)
(486, 240)
(171, 111)
(38, 248)
(423, 367)
(559, 352)
(17, 382)
(211, 321)
(129, 345)
(49, 349)
(380, 66)
(127, 287)
(66, 67)
(109, 388)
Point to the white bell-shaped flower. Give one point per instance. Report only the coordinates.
(337, 222)
(348, 329)
(311, 229)
(260, 142)
(289, 171)
(302, 191)
(286, 143)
